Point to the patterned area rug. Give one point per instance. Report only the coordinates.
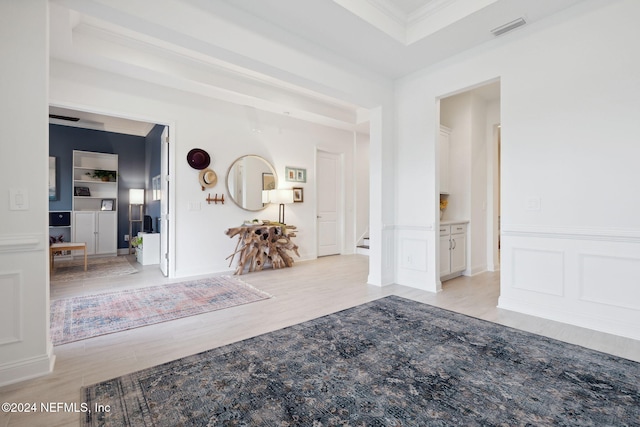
(392, 362)
(97, 268)
(79, 318)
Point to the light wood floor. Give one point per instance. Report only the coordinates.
(308, 290)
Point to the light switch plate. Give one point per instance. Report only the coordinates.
(533, 203)
(18, 199)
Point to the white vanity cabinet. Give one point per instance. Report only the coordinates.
(453, 249)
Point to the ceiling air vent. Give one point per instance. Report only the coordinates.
(67, 118)
(498, 31)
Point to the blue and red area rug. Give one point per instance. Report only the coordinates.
(97, 268)
(78, 318)
(391, 362)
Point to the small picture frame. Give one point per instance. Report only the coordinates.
(53, 189)
(290, 174)
(298, 195)
(107, 204)
(268, 181)
(81, 191)
(295, 174)
(156, 188)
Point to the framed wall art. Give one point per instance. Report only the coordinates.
(107, 205)
(298, 195)
(82, 191)
(268, 181)
(156, 188)
(295, 174)
(53, 188)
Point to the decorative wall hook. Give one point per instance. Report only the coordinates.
(216, 199)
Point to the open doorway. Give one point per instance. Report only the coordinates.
(470, 160)
(86, 145)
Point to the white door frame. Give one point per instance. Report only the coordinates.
(165, 198)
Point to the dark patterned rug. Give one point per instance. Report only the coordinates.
(391, 362)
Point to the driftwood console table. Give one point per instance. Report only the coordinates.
(260, 245)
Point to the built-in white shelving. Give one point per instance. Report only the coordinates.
(95, 201)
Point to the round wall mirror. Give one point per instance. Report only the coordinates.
(247, 177)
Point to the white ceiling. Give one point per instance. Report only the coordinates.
(363, 33)
(385, 38)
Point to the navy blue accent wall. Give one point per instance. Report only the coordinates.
(153, 156)
(131, 165)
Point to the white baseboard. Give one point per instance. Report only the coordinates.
(596, 323)
(26, 369)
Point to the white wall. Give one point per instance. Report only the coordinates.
(569, 101)
(25, 347)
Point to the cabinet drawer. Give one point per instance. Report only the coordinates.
(458, 228)
(445, 230)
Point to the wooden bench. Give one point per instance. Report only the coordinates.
(67, 246)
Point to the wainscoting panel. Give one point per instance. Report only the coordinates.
(416, 258)
(605, 280)
(588, 278)
(413, 254)
(528, 275)
(25, 349)
(10, 307)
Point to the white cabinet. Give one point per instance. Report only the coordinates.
(445, 252)
(443, 144)
(453, 249)
(98, 230)
(458, 248)
(149, 252)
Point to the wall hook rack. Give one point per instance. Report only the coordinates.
(216, 199)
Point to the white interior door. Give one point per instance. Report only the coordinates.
(164, 203)
(329, 187)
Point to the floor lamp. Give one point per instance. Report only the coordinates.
(136, 197)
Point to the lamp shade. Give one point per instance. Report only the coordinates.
(136, 196)
(281, 196)
(265, 196)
